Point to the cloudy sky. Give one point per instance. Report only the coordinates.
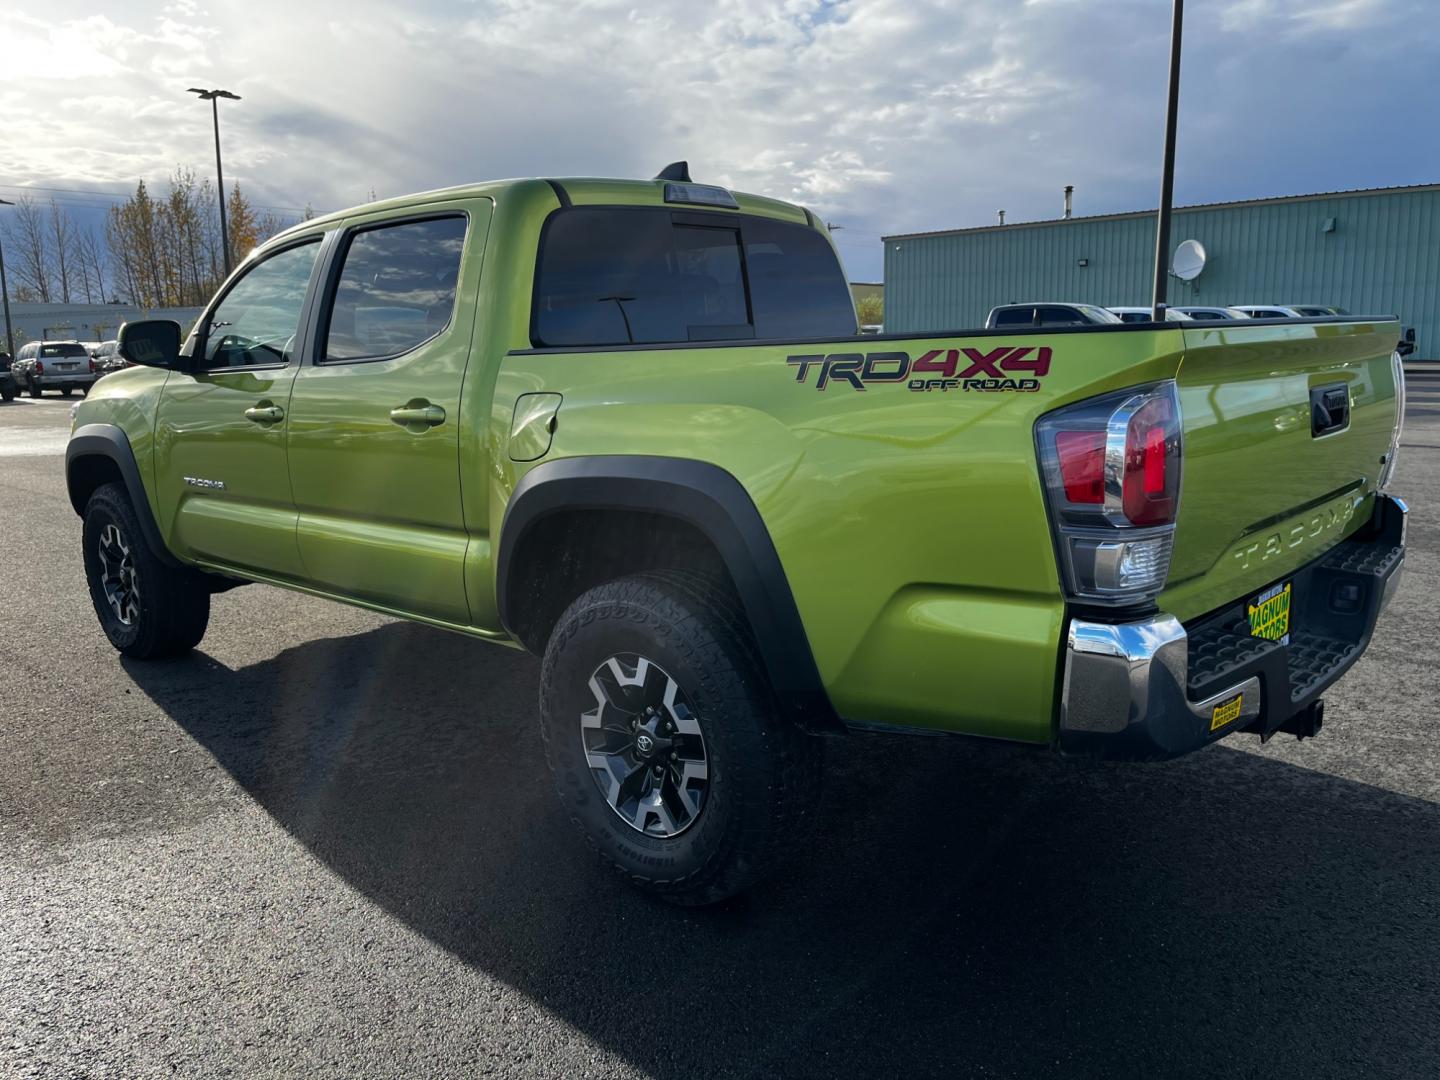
(882, 115)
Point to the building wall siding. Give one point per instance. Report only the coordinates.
(1383, 257)
(83, 322)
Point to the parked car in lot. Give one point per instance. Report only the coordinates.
(1143, 314)
(1048, 314)
(108, 359)
(8, 388)
(1211, 312)
(1311, 311)
(54, 365)
(630, 426)
(1267, 311)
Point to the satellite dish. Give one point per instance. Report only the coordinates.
(1189, 260)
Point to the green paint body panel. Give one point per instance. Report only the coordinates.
(912, 527)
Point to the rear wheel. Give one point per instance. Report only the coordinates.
(8, 393)
(665, 741)
(66, 391)
(147, 609)
(34, 387)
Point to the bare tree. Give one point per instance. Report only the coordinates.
(90, 263)
(62, 236)
(28, 239)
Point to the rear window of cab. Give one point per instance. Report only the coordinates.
(622, 276)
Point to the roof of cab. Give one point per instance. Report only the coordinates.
(580, 190)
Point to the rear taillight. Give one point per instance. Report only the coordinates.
(1150, 486)
(1112, 470)
(39, 367)
(1387, 471)
(92, 366)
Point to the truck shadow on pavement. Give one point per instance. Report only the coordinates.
(964, 909)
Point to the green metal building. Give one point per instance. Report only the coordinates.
(1371, 252)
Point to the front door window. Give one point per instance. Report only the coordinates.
(257, 322)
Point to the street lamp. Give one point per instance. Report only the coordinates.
(212, 96)
(5, 292)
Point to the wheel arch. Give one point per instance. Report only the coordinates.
(693, 500)
(100, 454)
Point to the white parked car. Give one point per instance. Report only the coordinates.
(1211, 312)
(1142, 314)
(1268, 311)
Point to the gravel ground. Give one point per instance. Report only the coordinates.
(325, 845)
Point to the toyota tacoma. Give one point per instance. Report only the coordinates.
(630, 427)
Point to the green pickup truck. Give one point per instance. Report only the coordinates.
(629, 426)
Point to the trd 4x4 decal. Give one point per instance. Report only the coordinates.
(939, 369)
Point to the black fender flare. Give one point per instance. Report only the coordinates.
(714, 502)
(110, 441)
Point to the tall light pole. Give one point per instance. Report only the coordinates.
(5, 292)
(1167, 169)
(213, 97)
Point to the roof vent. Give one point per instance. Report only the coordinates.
(678, 171)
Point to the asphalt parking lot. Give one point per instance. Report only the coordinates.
(326, 845)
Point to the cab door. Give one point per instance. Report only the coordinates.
(374, 420)
(220, 430)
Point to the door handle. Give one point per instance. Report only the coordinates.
(265, 414)
(418, 414)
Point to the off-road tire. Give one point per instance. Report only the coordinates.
(171, 604)
(764, 773)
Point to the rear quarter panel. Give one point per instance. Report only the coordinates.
(910, 524)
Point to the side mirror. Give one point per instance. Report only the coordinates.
(152, 342)
(1406, 347)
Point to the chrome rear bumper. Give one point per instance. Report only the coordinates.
(1151, 689)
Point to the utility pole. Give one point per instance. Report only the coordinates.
(213, 97)
(5, 292)
(1167, 171)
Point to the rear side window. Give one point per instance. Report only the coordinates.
(1015, 317)
(614, 277)
(48, 351)
(796, 283)
(396, 288)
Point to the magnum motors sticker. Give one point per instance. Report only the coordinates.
(1005, 368)
(1269, 614)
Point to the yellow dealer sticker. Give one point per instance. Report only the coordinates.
(1270, 614)
(1226, 711)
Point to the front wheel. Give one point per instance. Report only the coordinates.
(665, 740)
(147, 608)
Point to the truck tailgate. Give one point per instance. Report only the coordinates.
(1266, 489)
